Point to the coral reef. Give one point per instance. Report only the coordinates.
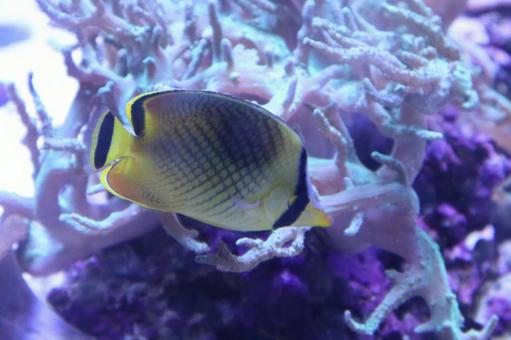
(372, 86)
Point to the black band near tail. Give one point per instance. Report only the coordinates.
(302, 196)
(106, 131)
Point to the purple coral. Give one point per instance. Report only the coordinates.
(464, 164)
(183, 299)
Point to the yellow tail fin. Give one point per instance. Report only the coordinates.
(110, 141)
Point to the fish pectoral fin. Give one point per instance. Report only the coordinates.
(244, 204)
(122, 179)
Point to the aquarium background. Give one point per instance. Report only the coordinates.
(405, 112)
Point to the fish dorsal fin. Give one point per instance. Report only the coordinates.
(146, 110)
(143, 111)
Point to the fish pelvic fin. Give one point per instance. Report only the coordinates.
(110, 141)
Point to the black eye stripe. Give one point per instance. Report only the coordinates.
(302, 196)
(104, 140)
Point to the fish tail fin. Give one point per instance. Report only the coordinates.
(110, 141)
(313, 216)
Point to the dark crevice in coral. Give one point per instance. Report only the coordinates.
(367, 138)
(501, 9)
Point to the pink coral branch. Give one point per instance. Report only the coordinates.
(12, 230)
(429, 25)
(95, 16)
(14, 204)
(73, 146)
(335, 131)
(216, 31)
(389, 64)
(308, 91)
(32, 134)
(44, 118)
(114, 220)
(95, 74)
(190, 24)
(266, 5)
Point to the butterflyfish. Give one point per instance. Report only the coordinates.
(212, 157)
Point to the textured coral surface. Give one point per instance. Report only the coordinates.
(403, 108)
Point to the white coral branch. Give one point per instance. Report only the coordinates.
(185, 237)
(283, 242)
(32, 134)
(107, 225)
(426, 277)
(44, 117)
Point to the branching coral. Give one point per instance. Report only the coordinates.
(284, 242)
(389, 61)
(488, 52)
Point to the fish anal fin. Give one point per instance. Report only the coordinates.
(189, 222)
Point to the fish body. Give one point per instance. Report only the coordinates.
(212, 157)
